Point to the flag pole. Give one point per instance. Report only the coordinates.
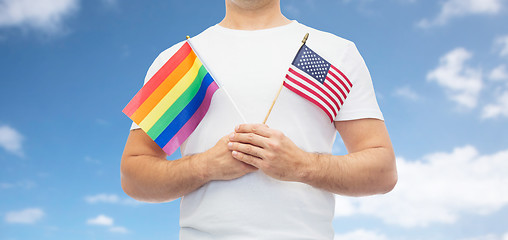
(217, 81)
(282, 85)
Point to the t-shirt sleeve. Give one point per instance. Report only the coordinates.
(361, 101)
(156, 65)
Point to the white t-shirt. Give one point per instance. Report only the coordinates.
(251, 66)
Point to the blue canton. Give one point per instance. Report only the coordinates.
(311, 63)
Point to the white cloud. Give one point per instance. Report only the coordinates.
(101, 220)
(345, 206)
(461, 82)
(499, 108)
(489, 237)
(11, 140)
(26, 216)
(110, 198)
(360, 234)
(458, 8)
(407, 92)
(4, 185)
(104, 198)
(499, 73)
(119, 229)
(43, 15)
(438, 188)
(26, 184)
(484, 237)
(502, 44)
(92, 160)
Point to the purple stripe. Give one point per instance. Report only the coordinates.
(193, 122)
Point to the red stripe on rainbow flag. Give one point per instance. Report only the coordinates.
(157, 79)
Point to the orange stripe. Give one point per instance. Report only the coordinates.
(163, 89)
(157, 79)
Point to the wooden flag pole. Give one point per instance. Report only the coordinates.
(282, 85)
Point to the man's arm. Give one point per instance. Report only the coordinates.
(368, 169)
(148, 176)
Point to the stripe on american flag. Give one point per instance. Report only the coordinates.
(344, 85)
(329, 95)
(314, 87)
(298, 90)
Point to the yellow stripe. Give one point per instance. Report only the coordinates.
(171, 97)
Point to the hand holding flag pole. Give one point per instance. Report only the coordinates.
(218, 83)
(282, 85)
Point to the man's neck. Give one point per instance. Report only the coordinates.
(268, 16)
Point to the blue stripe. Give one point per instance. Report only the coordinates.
(185, 114)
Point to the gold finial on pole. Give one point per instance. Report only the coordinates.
(188, 37)
(305, 38)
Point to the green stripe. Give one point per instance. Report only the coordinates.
(178, 105)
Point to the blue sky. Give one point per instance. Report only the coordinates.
(68, 67)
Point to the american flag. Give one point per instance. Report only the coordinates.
(318, 81)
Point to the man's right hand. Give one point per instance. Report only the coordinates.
(148, 176)
(220, 164)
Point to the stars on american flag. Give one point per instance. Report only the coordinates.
(312, 64)
(318, 81)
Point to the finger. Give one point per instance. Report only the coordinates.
(249, 167)
(250, 138)
(259, 129)
(247, 159)
(246, 148)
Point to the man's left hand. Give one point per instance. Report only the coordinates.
(270, 151)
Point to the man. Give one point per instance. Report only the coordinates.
(253, 181)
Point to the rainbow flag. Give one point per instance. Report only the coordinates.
(174, 101)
